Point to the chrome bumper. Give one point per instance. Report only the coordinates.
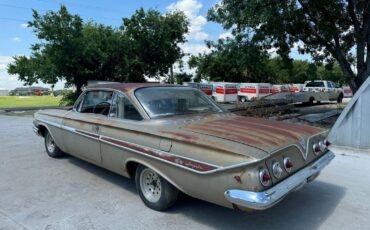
(268, 198)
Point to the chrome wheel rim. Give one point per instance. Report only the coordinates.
(150, 185)
(50, 145)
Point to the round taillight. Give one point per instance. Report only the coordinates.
(288, 164)
(322, 146)
(276, 169)
(327, 143)
(316, 148)
(265, 178)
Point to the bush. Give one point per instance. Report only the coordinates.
(69, 98)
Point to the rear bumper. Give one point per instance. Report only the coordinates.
(268, 198)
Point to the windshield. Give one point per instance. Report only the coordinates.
(315, 84)
(168, 101)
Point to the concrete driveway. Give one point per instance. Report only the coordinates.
(38, 192)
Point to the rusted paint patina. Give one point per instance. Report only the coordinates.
(238, 179)
(259, 133)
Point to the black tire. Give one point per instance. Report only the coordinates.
(51, 148)
(243, 99)
(340, 98)
(147, 182)
(311, 100)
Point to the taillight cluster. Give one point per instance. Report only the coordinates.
(277, 171)
(321, 146)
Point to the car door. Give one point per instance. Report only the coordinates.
(83, 124)
(331, 90)
(336, 91)
(120, 136)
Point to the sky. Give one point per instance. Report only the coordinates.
(16, 38)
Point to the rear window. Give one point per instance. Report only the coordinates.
(169, 101)
(315, 84)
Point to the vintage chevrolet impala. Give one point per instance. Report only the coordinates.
(173, 139)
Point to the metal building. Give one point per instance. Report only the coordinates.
(352, 129)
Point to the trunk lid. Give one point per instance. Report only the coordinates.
(259, 133)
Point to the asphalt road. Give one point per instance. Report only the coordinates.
(37, 192)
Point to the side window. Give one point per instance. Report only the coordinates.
(333, 84)
(97, 101)
(124, 109)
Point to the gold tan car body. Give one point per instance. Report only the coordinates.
(204, 156)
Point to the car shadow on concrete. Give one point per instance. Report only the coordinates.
(307, 208)
(118, 180)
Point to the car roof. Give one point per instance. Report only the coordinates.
(129, 87)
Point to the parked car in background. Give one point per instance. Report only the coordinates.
(334, 92)
(173, 139)
(347, 91)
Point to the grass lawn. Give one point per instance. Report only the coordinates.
(28, 101)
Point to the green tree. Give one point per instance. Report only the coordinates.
(328, 29)
(75, 52)
(182, 77)
(299, 71)
(154, 40)
(68, 50)
(236, 60)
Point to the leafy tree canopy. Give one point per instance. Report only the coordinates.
(327, 29)
(233, 60)
(73, 51)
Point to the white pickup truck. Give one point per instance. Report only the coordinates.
(313, 91)
(332, 91)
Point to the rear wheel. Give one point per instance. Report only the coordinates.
(243, 99)
(51, 148)
(154, 190)
(340, 98)
(311, 100)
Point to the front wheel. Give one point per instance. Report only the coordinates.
(51, 148)
(154, 190)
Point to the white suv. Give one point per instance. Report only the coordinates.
(335, 93)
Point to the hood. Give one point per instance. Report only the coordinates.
(259, 133)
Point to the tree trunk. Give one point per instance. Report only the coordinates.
(171, 75)
(78, 88)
